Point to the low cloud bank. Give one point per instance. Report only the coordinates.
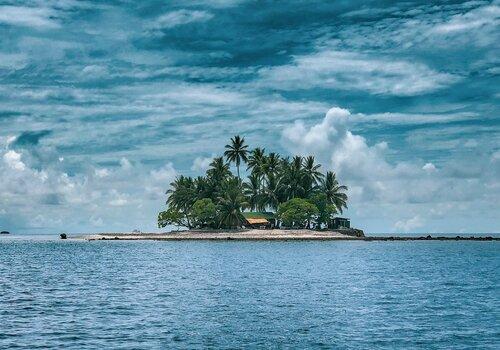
(410, 195)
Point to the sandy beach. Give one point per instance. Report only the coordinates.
(253, 234)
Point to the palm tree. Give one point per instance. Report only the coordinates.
(291, 182)
(270, 194)
(256, 160)
(296, 163)
(181, 192)
(272, 180)
(182, 195)
(237, 152)
(202, 187)
(231, 203)
(334, 191)
(271, 163)
(217, 173)
(218, 170)
(311, 174)
(252, 191)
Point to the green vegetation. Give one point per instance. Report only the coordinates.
(294, 189)
(297, 212)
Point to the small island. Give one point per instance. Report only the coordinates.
(280, 195)
(282, 198)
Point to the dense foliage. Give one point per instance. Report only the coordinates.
(295, 189)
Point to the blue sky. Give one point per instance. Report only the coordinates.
(102, 104)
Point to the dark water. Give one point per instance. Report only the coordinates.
(129, 295)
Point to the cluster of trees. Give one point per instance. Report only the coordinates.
(295, 189)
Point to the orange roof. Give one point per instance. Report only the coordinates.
(253, 221)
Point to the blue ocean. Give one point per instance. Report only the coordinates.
(253, 295)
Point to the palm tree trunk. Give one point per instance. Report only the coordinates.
(238, 170)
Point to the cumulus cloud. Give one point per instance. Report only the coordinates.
(164, 174)
(20, 183)
(13, 160)
(354, 71)
(201, 164)
(335, 144)
(386, 187)
(87, 197)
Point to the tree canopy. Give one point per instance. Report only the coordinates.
(295, 189)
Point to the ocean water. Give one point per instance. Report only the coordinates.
(344, 295)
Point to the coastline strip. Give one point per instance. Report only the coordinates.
(268, 235)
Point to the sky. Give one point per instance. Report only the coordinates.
(103, 103)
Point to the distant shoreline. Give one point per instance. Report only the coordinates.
(266, 235)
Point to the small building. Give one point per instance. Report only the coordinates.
(258, 223)
(338, 223)
(260, 220)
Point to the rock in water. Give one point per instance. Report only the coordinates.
(63, 236)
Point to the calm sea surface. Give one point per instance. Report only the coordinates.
(130, 295)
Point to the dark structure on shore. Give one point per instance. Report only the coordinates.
(338, 223)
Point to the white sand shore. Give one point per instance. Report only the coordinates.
(253, 234)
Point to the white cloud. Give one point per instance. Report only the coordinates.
(180, 17)
(384, 190)
(354, 71)
(13, 160)
(429, 167)
(158, 182)
(165, 174)
(101, 173)
(335, 145)
(13, 60)
(415, 118)
(59, 195)
(10, 140)
(118, 199)
(125, 164)
(410, 224)
(474, 19)
(94, 72)
(28, 16)
(201, 164)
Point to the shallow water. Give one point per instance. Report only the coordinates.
(125, 295)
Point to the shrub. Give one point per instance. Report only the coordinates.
(204, 212)
(297, 212)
